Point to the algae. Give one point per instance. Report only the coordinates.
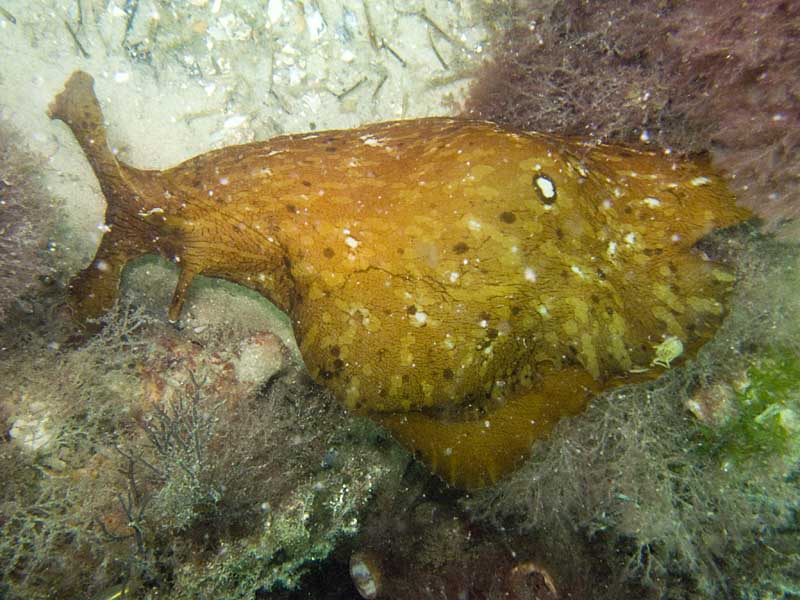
(766, 414)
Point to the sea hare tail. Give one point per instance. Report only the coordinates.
(475, 453)
(127, 236)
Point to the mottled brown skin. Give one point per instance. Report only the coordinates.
(463, 284)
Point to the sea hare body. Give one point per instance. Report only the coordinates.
(463, 284)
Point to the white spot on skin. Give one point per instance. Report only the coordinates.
(698, 181)
(676, 237)
(370, 141)
(607, 204)
(612, 248)
(483, 323)
(530, 275)
(630, 238)
(351, 242)
(652, 202)
(453, 277)
(546, 187)
(420, 318)
(152, 211)
(224, 181)
(542, 310)
(577, 270)
(474, 225)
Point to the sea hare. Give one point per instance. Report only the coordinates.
(463, 284)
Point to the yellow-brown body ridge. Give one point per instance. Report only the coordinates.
(463, 284)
